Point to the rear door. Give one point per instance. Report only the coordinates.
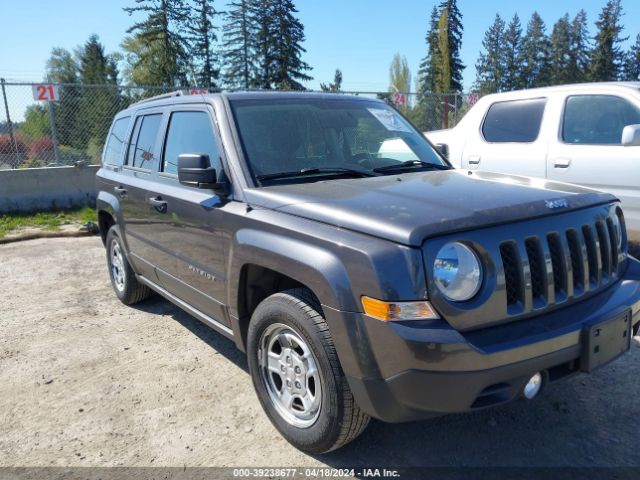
(509, 140)
(188, 250)
(139, 172)
(587, 149)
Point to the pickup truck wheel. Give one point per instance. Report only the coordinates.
(297, 376)
(123, 279)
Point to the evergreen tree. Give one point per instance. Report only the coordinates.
(632, 62)
(454, 30)
(97, 106)
(444, 78)
(579, 56)
(491, 63)
(336, 85)
(560, 52)
(512, 79)
(279, 46)
(535, 54)
(164, 26)
(202, 38)
(239, 32)
(428, 71)
(427, 112)
(62, 68)
(608, 57)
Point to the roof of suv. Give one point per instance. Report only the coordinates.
(180, 97)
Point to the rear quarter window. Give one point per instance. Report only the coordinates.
(116, 141)
(514, 121)
(142, 149)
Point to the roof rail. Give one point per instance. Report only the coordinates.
(177, 93)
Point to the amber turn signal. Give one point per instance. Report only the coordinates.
(397, 311)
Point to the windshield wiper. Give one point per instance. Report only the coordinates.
(313, 171)
(412, 164)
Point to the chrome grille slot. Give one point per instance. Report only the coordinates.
(537, 268)
(605, 250)
(577, 261)
(558, 265)
(613, 241)
(512, 273)
(593, 256)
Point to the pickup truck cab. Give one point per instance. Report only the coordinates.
(587, 134)
(361, 273)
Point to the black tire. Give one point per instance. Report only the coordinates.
(339, 420)
(127, 287)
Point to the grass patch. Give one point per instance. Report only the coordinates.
(46, 220)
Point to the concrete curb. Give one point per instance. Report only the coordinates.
(44, 234)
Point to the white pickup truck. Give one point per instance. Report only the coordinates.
(588, 134)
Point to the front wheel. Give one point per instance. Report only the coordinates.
(297, 376)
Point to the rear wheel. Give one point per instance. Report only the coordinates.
(123, 279)
(297, 376)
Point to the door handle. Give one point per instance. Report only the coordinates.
(473, 161)
(159, 204)
(562, 163)
(120, 191)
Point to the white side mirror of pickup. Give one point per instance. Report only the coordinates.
(631, 136)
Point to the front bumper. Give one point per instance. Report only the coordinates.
(407, 371)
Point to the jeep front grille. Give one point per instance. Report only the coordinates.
(560, 265)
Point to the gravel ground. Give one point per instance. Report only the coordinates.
(87, 381)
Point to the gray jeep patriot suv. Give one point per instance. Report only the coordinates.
(360, 272)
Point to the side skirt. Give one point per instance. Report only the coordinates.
(217, 326)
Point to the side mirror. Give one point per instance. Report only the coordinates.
(194, 171)
(631, 136)
(443, 148)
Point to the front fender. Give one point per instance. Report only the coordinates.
(317, 268)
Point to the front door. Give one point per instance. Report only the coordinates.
(188, 248)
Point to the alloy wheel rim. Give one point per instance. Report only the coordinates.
(289, 370)
(117, 266)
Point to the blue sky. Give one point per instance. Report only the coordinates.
(358, 36)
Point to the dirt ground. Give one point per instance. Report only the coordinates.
(87, 381)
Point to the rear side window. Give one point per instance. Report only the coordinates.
(116, 141)
(142, 149)
(189, 132)
(597, 119)
(515, 121)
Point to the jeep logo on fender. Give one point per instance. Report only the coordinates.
(201, 272)
(553, 204)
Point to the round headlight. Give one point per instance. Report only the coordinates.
(457, 272)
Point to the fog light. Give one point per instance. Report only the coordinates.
(533, 386)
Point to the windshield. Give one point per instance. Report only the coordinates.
(320, 138)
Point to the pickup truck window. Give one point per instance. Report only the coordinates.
(113, 150)
(514, 121)
(143, 142)
(189, 132)
(327, 137)
(597, 119)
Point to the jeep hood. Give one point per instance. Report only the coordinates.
(411, 207)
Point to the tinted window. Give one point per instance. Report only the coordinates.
(597, 119)
(115, 142)
(189, 132)
(517, 121)
(142, 152)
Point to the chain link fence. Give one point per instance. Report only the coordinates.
(66, 124)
